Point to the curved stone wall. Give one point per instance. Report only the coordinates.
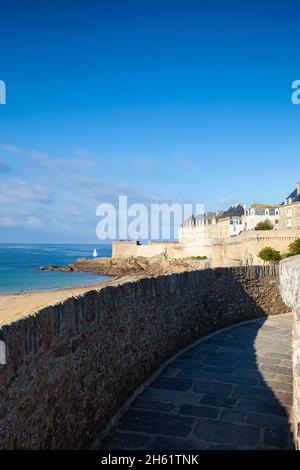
(290, 289)
(71, 366)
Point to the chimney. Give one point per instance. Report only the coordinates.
(298, 187)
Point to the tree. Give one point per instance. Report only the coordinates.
(265, 225)
(294, 248)
(269, 255)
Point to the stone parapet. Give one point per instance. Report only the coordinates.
(290, 290)
(70, 366)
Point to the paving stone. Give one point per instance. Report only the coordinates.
(255, 394)
(285, 398)
(276, 438)
(221, 359)
(283, 378)
(235, 379)
(269, 360)
(155, 405)
(166, 443)
(248, 365)
(156, 422)
(286, 363)
(267, 408)
(226, 433)
(199, 411)
(188, 364)
(242, 372)
(220, 369)
(214, 400)
(277, 369)
(170, 396)
(126, 440)
(212, 388)
(221, 447)
(169, 372)
(229, 342)
(282, 386)
(280, 356)
(270, 421)
(197, 374)
(233, 416)
(169, 383)
(232, 391)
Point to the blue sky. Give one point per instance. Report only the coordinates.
(166, 101)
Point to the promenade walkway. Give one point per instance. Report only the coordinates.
(232, 390)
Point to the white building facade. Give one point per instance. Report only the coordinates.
(259, 213)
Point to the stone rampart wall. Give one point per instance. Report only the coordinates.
(290, 289)
(71, 366)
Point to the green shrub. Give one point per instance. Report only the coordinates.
(294, 248)
(265, 225)
(270, 255)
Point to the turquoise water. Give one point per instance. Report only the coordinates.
(19, 263)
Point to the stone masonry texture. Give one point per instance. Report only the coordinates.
(70, 366)
(290, 290)
(194, 404)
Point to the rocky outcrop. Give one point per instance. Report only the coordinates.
(53, 267)
(154, 266)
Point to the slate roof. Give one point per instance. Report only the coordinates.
(293, 196)
(206, 216)
(233, 211)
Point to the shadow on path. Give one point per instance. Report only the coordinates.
(231, 391)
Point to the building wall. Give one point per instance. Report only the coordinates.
(70, 366)
(290, 215)
(245, 248)
(198, 241)
(242, 249)
(123, 250)
(251, 221)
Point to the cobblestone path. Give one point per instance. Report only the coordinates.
(232, 390)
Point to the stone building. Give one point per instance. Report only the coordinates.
(213, 225)
(230, 223)
(290, 210)
(259, 213)
(227, 238)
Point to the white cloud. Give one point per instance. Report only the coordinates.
(64, 198)
(10, 148)
(7, 222)
(51, 162)
(15, 190)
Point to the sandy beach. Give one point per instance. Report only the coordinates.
(15, 306)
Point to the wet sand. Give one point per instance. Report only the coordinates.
(15, 306)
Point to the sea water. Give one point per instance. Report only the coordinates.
(19, 266)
